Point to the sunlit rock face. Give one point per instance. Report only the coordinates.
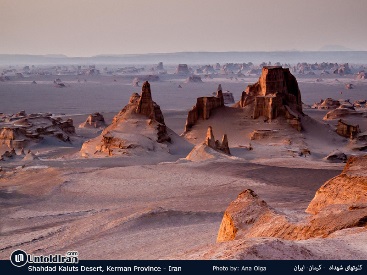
(276, 94)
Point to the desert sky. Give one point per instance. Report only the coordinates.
(92, 27)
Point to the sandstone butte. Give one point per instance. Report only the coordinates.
(339, 204)
(276, 94)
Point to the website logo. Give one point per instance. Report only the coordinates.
(19, 258)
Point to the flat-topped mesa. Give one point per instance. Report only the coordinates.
(276, 94)
(182, 69)
(215, 144)
(146, 105)
(203, 108)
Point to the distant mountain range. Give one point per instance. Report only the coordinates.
(334, 48)
(292, 57)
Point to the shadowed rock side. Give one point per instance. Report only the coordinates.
(95, 120)
(276, 94)
(339, 204)
(346, 130)
(203, 108)
(138, 126)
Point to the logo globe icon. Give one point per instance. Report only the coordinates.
(18, 258)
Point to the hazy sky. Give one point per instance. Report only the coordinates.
(91, 27)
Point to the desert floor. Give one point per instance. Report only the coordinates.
(159, 207)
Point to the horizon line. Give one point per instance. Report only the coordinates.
(60, 55)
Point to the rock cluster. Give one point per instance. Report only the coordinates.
(17, 131)
(343, 69)
(276, 94)
(346, 130)
(203, 108)
(216, 144)
(95, 120)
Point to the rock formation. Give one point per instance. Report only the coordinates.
(228, 97)
(346, 130)
(328, 103)
(249, 217)
(182, 69)
(261, 134)
(95, 120)
(336, 156)
(159, 67)
(135, 82)
(210, 148)
(203, 108)
(146, 105)
(360, 103)
(276, 94)
(361, 75)
(141, 78)
(343, 69)
(215, 144)
(349, 86)
(349, 188)
(193, 79)
(340, 112)
(139, 125)
(17, 131)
